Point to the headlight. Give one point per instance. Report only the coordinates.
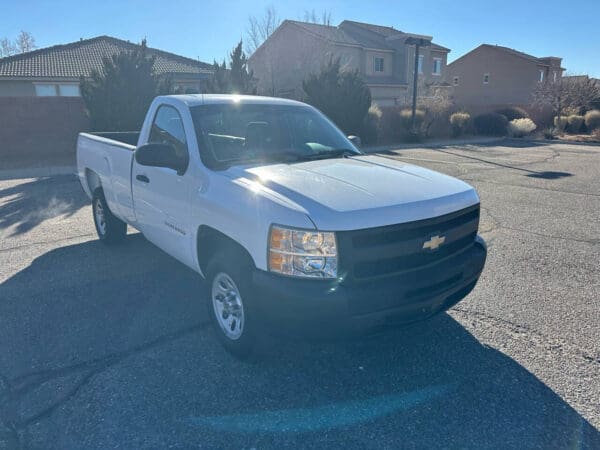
(302, 253)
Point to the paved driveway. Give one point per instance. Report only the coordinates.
(106, 347)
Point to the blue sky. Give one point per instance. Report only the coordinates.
(208, 29)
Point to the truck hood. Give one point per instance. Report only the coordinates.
(358, 192)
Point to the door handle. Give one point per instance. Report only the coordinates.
(142, 178)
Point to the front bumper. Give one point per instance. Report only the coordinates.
(332, 307)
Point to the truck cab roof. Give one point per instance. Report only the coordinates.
(213, 99)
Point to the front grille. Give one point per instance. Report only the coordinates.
(382, 251)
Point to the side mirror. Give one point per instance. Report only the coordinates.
(160, 155)
(355, 140)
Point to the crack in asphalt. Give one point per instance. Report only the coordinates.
(553, 345)
(516, 330)
(15, 389)
(53, 241)
(497, 224)
(555, 154)
(590, 194)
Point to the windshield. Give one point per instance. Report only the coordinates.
(231, 134)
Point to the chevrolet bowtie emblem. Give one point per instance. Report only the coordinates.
(434, 242)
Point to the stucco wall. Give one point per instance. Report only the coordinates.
(511, 78)
(40, 131)
(9, 88)
(288, 56)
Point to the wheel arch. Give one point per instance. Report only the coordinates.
(93, 180)
(209, 241)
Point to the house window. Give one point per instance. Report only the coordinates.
(455, 81)
(437, 66)
(378, 64)
(55, 90)
(46, 90)
(420, 66)
(554, 75)
(68, 90)
(541, 76)
(486, 78)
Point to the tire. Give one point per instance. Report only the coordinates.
(230, 304)
(110, 229)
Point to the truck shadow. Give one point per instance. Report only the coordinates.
(129, 321)
(28, 203)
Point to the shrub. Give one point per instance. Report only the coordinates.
(521, 127)
(118, 94)
(560, 123)
(459, 122)
(406, 119)
(549, 133)
(370, 127)
(341, 95)
(491, 123)
(513, 113)
(575, 123)
(592, 120)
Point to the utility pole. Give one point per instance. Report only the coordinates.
(418, 43)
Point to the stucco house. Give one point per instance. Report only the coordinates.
(379, 53)
(492, 75)
(55, 71)
(41, 110)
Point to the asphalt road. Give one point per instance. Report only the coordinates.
(110, 347)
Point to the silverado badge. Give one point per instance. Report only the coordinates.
(434, 242)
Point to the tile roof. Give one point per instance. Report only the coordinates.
(379, 29)
(80, 58)
(512, 51)
(328, 32)
(378, 36)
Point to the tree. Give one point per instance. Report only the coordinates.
(575, 94)
(434, 99)
(341, 95)
(236, 79)
(24, 42)
(118, 96)
(260, 28)
(312, 17)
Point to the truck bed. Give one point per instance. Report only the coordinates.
(108, 157)
(125, 137)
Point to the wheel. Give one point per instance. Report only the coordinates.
(230, 303)
(110, 229)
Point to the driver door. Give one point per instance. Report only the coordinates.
(161, 195)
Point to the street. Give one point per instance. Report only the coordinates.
(104, 347)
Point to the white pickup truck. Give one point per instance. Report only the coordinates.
(292, 226)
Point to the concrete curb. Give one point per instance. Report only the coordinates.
(430, 144)
(35, 172)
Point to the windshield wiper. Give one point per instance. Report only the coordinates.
(334, 153)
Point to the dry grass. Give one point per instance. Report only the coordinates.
(594, 138)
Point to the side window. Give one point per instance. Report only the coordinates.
(167, 128)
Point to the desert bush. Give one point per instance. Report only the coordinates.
(406, 119)
(560, 123)
(370, 127)
(513, 112)
(341, 95)
(575, 123)
(118, 94)
(491, 124)
(592, 120)
(394, 124)
(549, 133)
(459, 122)
(521, 127)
